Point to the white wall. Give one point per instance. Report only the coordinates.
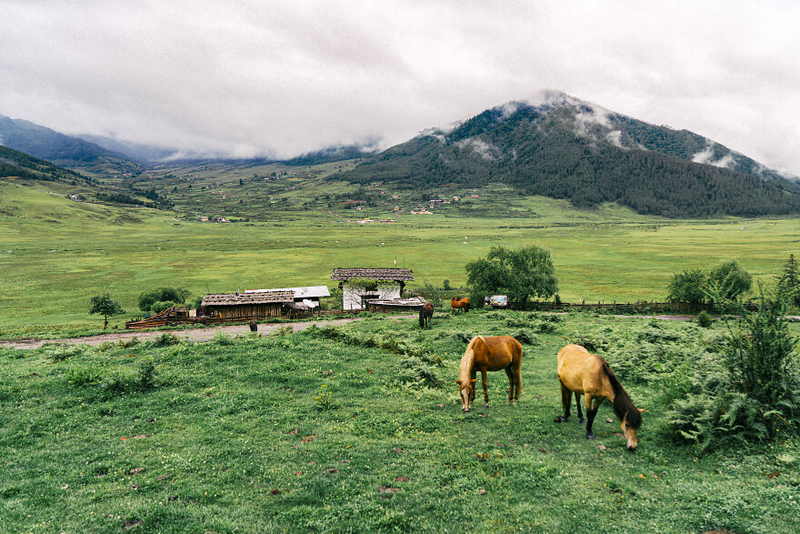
(351, 296)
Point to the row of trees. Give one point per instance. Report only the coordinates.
(729, 281)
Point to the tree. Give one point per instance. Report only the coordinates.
(105, 306)
(789, 280)
(688, 286)
(730, 280)
(521, 274)
(162, 294)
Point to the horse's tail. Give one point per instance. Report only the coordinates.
(622, 402)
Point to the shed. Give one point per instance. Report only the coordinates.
(362, 284)
(247, 305)
(308, 296)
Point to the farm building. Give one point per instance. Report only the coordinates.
(247, 305)
(307, 297)
(360, 285)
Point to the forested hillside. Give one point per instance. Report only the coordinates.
(569, 149)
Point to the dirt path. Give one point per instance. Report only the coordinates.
(193, 334)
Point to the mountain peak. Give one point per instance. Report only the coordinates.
(554, 144)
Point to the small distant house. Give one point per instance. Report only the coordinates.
(245, 305)
(360, 285)
(307, 297)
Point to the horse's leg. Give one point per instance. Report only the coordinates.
(566, 399)
(581, 420)
(518, 376)
(512, 381)
(592, 405)
(472, 391)
(485, 388)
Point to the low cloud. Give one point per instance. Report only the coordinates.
(280, 79)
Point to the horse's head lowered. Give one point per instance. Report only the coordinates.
(467, 391)
(630, 426)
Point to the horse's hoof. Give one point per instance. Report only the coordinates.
(485, 404)
(582, 421)
(589, 436)
(560, 419)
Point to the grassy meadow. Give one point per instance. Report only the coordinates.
(55, 253)
(358, 428)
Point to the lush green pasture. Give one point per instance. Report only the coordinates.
(54, 253)
(319, 431)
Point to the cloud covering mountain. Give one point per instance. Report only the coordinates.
(279, 79)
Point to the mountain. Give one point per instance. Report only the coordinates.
(562, 147)
(63, 150)
(25, 170)
(135, 151)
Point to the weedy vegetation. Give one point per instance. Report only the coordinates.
(359, 428)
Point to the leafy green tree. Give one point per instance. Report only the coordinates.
(730, 280)
(105, 306)
(521, 274)
(688, 286)
(162, 294)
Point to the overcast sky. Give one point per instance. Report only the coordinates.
(248, 78)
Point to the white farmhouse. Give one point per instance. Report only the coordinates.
(360, 285)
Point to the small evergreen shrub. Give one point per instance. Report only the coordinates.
(704, 319)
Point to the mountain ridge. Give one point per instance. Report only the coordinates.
(563, 147)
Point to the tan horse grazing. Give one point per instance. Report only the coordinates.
(459, 303)
(589, 375)
(490, 354)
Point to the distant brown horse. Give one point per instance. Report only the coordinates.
(459, 303)
(589, 375)
(425, 314)
(490, 354)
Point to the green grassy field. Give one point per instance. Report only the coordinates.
(317, 431)
(54, 253)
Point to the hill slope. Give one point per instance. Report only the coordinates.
(26, 170)
(61, 149)
(566, 148)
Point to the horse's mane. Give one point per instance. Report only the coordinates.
(622, 402)
(466, 360)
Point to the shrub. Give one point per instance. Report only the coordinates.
(59, 353)
(730, 280)
(83, 376)
(688, 286)
(446, 285)
(524, 335)
(414, 370)
(704, 319)
(160, 306)
(128, 343)
(755, 396)
(222, 340)
(105, 346)
(433, 294)
(147, 299)
(165, 340)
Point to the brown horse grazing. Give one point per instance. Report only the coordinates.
(425, 314)
(589, 375)
(490, 354)
(459, 303)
